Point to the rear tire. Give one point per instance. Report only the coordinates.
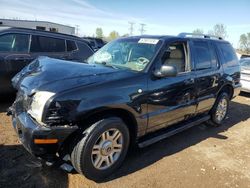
(219, 110)
(102, 148)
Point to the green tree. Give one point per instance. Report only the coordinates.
(198, 31)
(113, 35)
(245, 43)
(99, 32)
(219, 30)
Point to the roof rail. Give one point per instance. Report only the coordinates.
(200, 35)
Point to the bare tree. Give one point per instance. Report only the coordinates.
(198, 31)
(219, 30)
(245, 43)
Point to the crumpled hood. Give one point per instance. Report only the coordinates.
(48, 74)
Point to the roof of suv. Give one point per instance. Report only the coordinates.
(35, 31)
(167, 37)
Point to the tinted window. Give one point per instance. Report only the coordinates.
(14, 43)
(71, 45)
(41, 28)
(92, 43)
(47, 44)
(228, 53)
(214, 59)
(99, 42)
(203, 56)
(85, 50)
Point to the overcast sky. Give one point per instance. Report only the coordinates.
(160, 16)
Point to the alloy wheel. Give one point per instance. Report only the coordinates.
(107, 149)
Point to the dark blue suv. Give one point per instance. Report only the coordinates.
(135, 90)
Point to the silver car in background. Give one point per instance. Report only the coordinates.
(245, 74)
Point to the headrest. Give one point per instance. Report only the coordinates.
(176, 54)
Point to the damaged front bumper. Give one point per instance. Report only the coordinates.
(29, 131)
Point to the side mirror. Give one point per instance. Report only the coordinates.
(166, 71)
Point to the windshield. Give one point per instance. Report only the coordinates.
(130, 53)
(245, 63)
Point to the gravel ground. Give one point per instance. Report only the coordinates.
(199, 157)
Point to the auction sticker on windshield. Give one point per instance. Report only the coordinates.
(148, 41)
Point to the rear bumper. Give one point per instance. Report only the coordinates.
(27, 130)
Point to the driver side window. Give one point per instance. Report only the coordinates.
(176, 55)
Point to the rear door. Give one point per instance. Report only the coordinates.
(207, 74)
(48, 46)
(14, 53)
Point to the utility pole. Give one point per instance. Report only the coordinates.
(142, 30)
(131, 28)
(77, 30)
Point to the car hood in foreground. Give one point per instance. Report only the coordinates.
(48, 74)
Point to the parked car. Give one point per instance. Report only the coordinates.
(245, 74)
(18, 47)
(245, 56)
(96, 43)
(135, 90)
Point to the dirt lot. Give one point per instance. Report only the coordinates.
(199, 157)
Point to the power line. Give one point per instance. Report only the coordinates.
(142, 30)
(131, 28)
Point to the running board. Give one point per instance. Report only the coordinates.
(167, 133)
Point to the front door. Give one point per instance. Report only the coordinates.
(172, 99)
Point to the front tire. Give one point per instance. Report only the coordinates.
(102, 148)
(219, 110)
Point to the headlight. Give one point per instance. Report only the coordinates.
(37, 105)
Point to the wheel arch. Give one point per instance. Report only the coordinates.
(91, 117)
(228, 88)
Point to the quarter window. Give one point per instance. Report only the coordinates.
(47, 44)
(14, 43)
(229, 56)
(203, 56)
(84, 49)
(71, 46)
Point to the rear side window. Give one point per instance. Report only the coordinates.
(84, 50)
(71, 45)
(14, 43)
(214, 58)
(203, 56)
(228, 53)
(47, 44)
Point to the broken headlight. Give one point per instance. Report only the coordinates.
(37, 105)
